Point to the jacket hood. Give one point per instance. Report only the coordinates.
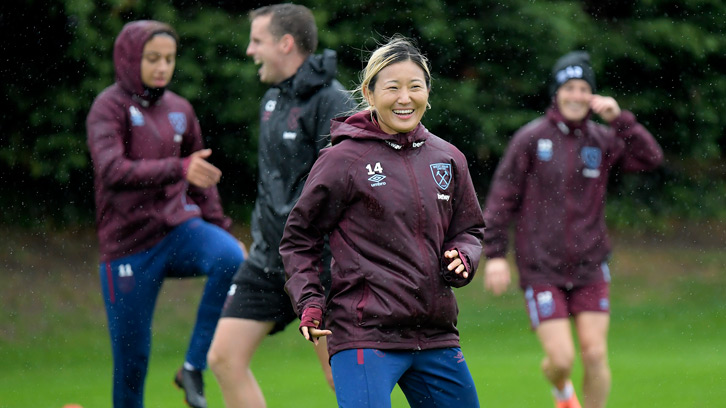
(316, 72)
(362, 126)
(127, 51)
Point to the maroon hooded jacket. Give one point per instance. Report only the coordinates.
(552, 181)
(392, 205)
(138, 142)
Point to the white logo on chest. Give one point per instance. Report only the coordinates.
(137, 118)
(376, 174)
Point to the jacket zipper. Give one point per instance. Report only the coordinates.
(419, 229)
(571, 171)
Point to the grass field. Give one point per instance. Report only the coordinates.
(667, 338)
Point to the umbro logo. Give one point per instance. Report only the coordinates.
(376, 174)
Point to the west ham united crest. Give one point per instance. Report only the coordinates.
(591, 157)
(545, 303)
(442, 174)
(178, 121)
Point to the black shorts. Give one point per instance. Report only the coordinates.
(259, 295)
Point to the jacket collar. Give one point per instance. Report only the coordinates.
(315, 72)
(362, 125)
(566, 126)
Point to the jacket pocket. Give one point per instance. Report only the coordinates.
(361, 305)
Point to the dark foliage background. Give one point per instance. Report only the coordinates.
(662, 59)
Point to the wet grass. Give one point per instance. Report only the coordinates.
(666, 338)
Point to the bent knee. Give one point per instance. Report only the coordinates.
(594, 355)
(226, 264)
(216, 359)
(560, 362)
(232, 258)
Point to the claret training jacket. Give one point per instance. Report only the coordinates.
(294, 125)
(552, 183)
(392, 205)
(138, 141)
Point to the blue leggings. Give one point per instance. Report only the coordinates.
(364, 378)
(131, 286)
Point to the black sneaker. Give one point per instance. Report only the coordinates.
(193, 385)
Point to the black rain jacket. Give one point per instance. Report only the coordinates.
(295, 120)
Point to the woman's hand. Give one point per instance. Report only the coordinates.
(309, 322)
(605, 106)
(312, 334)
(496, 275)
(456, 265)
(199, 172)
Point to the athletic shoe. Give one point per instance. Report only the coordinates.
(193, 385)
(571, 402)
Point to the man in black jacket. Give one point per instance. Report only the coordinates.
(295, 116)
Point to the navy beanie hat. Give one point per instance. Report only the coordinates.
(573, 65)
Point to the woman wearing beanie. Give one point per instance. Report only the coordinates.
(551, 183)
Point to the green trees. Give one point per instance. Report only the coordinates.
(661, 59)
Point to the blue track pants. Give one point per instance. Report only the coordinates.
(131, 286)
(364, 378)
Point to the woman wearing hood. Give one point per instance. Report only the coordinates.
(405, 227)
(158, 211)
(552, 183)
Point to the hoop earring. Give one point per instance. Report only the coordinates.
(374, 117)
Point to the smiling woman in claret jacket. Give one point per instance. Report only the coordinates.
(405, 226)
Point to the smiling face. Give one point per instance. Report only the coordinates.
(267, 51)
(573, 99)
(158, 60)
(399, 97)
